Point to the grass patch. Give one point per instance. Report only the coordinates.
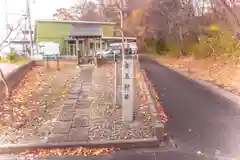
(18, 61)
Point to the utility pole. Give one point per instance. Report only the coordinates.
(25, 37)
(127, 78)
(30, 27)
(6, 24)
(115, 58)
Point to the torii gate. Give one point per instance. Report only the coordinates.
(84, 33)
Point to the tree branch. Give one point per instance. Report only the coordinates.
(9, 34)
(7, 92)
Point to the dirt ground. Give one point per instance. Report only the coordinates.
(222, 72)
(35, 102)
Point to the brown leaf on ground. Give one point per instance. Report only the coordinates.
(161, 113)
(28, 96)
(221, 71)
(67, 152)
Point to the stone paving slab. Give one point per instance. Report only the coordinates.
(83, 103)
(53, 138)
(80, 121)
(78, 82)
(61, 127)
(69, 108)
(74, 92)
(73, 96)
(70, 102)
(76, 89)
(78, 134)
(83, 96)
(79, 112)
(65, 115)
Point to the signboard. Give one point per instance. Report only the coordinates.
(49, 48)
(128, 90)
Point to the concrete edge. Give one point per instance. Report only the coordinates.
(158, 125)
(23, 68)
(121, 144)
(31, 63)
(213, 88)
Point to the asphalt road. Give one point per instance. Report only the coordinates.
(199, 120)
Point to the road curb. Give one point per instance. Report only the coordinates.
(152, 102)
(211, 87)
(121, 144)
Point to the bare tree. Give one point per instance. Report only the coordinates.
(172, 19)
(3, 79)
(229, 8)
(10, 33)
(8, 36)
(2, 46)
(63, 14)
(85, 11)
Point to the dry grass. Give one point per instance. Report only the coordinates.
(220, 71)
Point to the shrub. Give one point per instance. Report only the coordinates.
(172, 50)
(213, 42)
(12, 56)
(200, 50)
(161, 45)
(151, 45)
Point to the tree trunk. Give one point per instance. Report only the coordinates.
(232, 15)
(179, 39)
(145, 45)
(7, 92)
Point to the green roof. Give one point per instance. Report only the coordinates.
(73, 21)
(85, 30)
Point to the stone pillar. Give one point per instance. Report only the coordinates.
(128, 99)
(95, 46)
(36, 45)
(100, 47)
(77, 51)
(83, 48)
(94, 51)
(106, 45)
(88, 47)
(67, 48)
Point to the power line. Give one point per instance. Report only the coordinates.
(16, 14)
(6, 17)
(29, 26)
(11, 30)
(15, 37)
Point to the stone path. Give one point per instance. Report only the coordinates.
(72, 122)
(90, 115)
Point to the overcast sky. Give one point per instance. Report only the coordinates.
(41, 9)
